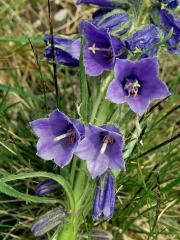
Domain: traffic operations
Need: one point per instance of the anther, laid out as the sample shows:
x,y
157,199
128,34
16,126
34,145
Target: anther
x,y
106,140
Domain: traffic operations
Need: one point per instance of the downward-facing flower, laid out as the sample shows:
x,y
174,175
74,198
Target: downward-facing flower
x,y
102,149
67,51
100,49
169,3
104,202
137,84
58,137
169,22
115,20
144,39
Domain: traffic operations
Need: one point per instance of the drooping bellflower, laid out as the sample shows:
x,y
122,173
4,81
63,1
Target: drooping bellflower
x,y
104,202
100,49
144,39
116,21
58,137
67,51
102,148
137,84
169,22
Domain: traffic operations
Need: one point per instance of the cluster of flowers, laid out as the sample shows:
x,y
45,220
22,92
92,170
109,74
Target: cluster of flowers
x,y
135,83
102,147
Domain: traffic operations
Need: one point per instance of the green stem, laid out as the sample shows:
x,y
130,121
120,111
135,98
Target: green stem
x,y
103,87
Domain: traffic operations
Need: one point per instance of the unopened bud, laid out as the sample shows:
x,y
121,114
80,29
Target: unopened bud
x,y
48,221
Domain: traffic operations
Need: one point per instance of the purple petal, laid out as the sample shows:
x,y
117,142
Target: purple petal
x,y
96,214
59,122
108,205
41,127
96,63
98,165
139,104
146,69
115,92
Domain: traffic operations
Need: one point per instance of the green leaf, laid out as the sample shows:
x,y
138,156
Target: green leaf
x,y
8,190
65,184
83,84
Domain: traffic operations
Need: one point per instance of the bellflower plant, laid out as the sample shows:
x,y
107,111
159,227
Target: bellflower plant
x,y
102,148
137,84
100,50
58,137
116,48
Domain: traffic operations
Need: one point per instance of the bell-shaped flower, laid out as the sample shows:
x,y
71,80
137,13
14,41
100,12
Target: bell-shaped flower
x,y
58,137
104,202
137,84
169,22
142,40
100,49
102,148
115,20
67,51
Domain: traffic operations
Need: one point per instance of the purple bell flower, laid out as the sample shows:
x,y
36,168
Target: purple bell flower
x,y
170,3
102,148
100,49
67,51
137,84
116,21
104,202
46,187
101,3
58,137
169,22
144,39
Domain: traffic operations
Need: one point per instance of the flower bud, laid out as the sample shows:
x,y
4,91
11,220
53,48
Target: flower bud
x,y
143,39
66,50
48,221
104,203
46,187
116,21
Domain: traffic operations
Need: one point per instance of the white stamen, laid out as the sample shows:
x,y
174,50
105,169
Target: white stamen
x,y
94,49
60,137
104,146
